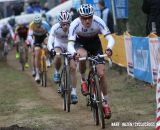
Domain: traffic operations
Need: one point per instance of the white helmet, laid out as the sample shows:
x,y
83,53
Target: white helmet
x,y
64,17
86,10
37,19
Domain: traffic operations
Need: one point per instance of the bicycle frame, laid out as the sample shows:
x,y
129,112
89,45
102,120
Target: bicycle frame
x,y
65,81
96,96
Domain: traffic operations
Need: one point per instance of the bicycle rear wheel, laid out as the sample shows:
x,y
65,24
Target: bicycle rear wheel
x,y
44,72
22,58
99,102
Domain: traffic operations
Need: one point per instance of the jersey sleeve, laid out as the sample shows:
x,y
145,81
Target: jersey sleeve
x,y
51,38
103,28
73,30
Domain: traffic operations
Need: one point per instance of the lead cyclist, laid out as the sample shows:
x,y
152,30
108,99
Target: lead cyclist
x,y
83,40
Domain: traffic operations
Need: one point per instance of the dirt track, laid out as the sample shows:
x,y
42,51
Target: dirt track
x,y
80,117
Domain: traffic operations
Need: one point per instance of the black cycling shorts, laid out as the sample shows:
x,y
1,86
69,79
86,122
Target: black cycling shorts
x,y
92,46
38,40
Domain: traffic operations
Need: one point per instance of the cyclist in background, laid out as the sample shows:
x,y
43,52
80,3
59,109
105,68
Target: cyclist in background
x,y
6,31
59,36
84,40
21,32
37,35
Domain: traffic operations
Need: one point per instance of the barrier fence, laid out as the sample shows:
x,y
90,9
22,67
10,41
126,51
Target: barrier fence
x,y
140,55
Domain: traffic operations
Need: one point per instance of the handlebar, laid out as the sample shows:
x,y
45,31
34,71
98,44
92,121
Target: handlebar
x,y
63,53
92,58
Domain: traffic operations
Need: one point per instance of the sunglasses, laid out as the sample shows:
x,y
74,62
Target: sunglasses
x,y
85,18
65,24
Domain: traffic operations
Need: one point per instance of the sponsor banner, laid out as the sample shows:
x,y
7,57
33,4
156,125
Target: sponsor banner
x,y
121,9
119,53
141,59
158,99
128,47
154,44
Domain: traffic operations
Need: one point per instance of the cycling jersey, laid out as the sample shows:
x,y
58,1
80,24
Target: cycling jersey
x,y
8,30
78,30
21,31
87,37
58,36
39,33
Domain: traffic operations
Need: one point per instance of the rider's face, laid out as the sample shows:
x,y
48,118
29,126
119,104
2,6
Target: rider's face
x,y
86,21
65,26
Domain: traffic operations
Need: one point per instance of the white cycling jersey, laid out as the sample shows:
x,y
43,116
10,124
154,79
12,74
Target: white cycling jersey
x,y
57,37
9,28
77,29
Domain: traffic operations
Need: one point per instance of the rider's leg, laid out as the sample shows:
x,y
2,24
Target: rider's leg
x,y
26,54
103,85
33,62
17,47
47,53
82,69
37,62
57,64
73,66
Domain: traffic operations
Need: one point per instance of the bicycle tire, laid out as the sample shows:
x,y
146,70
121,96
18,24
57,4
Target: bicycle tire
x,y
63,84
68,91
22,58
99,102
43,72
92,100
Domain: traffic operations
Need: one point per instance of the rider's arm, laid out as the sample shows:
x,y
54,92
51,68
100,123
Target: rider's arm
x,y
11,31
51,39
72,37
70,47
110,40
107,34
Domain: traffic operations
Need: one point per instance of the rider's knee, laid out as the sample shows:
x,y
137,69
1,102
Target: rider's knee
x,y
101,73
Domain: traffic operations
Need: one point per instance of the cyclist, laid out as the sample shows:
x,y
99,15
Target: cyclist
x,y
83,40
37,35
6,34
6,31
59,35
21,32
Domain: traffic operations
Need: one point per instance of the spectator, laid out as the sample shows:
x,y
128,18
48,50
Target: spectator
x,y
18,8
74,13
34,7
106,15
46,8
152,9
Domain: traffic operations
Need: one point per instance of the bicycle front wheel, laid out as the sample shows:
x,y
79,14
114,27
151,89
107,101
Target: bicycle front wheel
x,y
99,101
67,94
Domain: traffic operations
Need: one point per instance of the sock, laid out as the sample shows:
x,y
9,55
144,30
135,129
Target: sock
x,y
73,92
37,70
106,98
56,71
83,77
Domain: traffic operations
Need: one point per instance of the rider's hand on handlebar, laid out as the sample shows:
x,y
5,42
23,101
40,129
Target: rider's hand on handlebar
x,y
108,52
76,56
52,52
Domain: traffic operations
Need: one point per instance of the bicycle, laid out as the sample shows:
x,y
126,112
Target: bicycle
x,y
64,83
22,54
3,49
95,97
43,66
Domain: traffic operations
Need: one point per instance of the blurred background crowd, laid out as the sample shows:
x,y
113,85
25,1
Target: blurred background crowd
x,y
17,7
